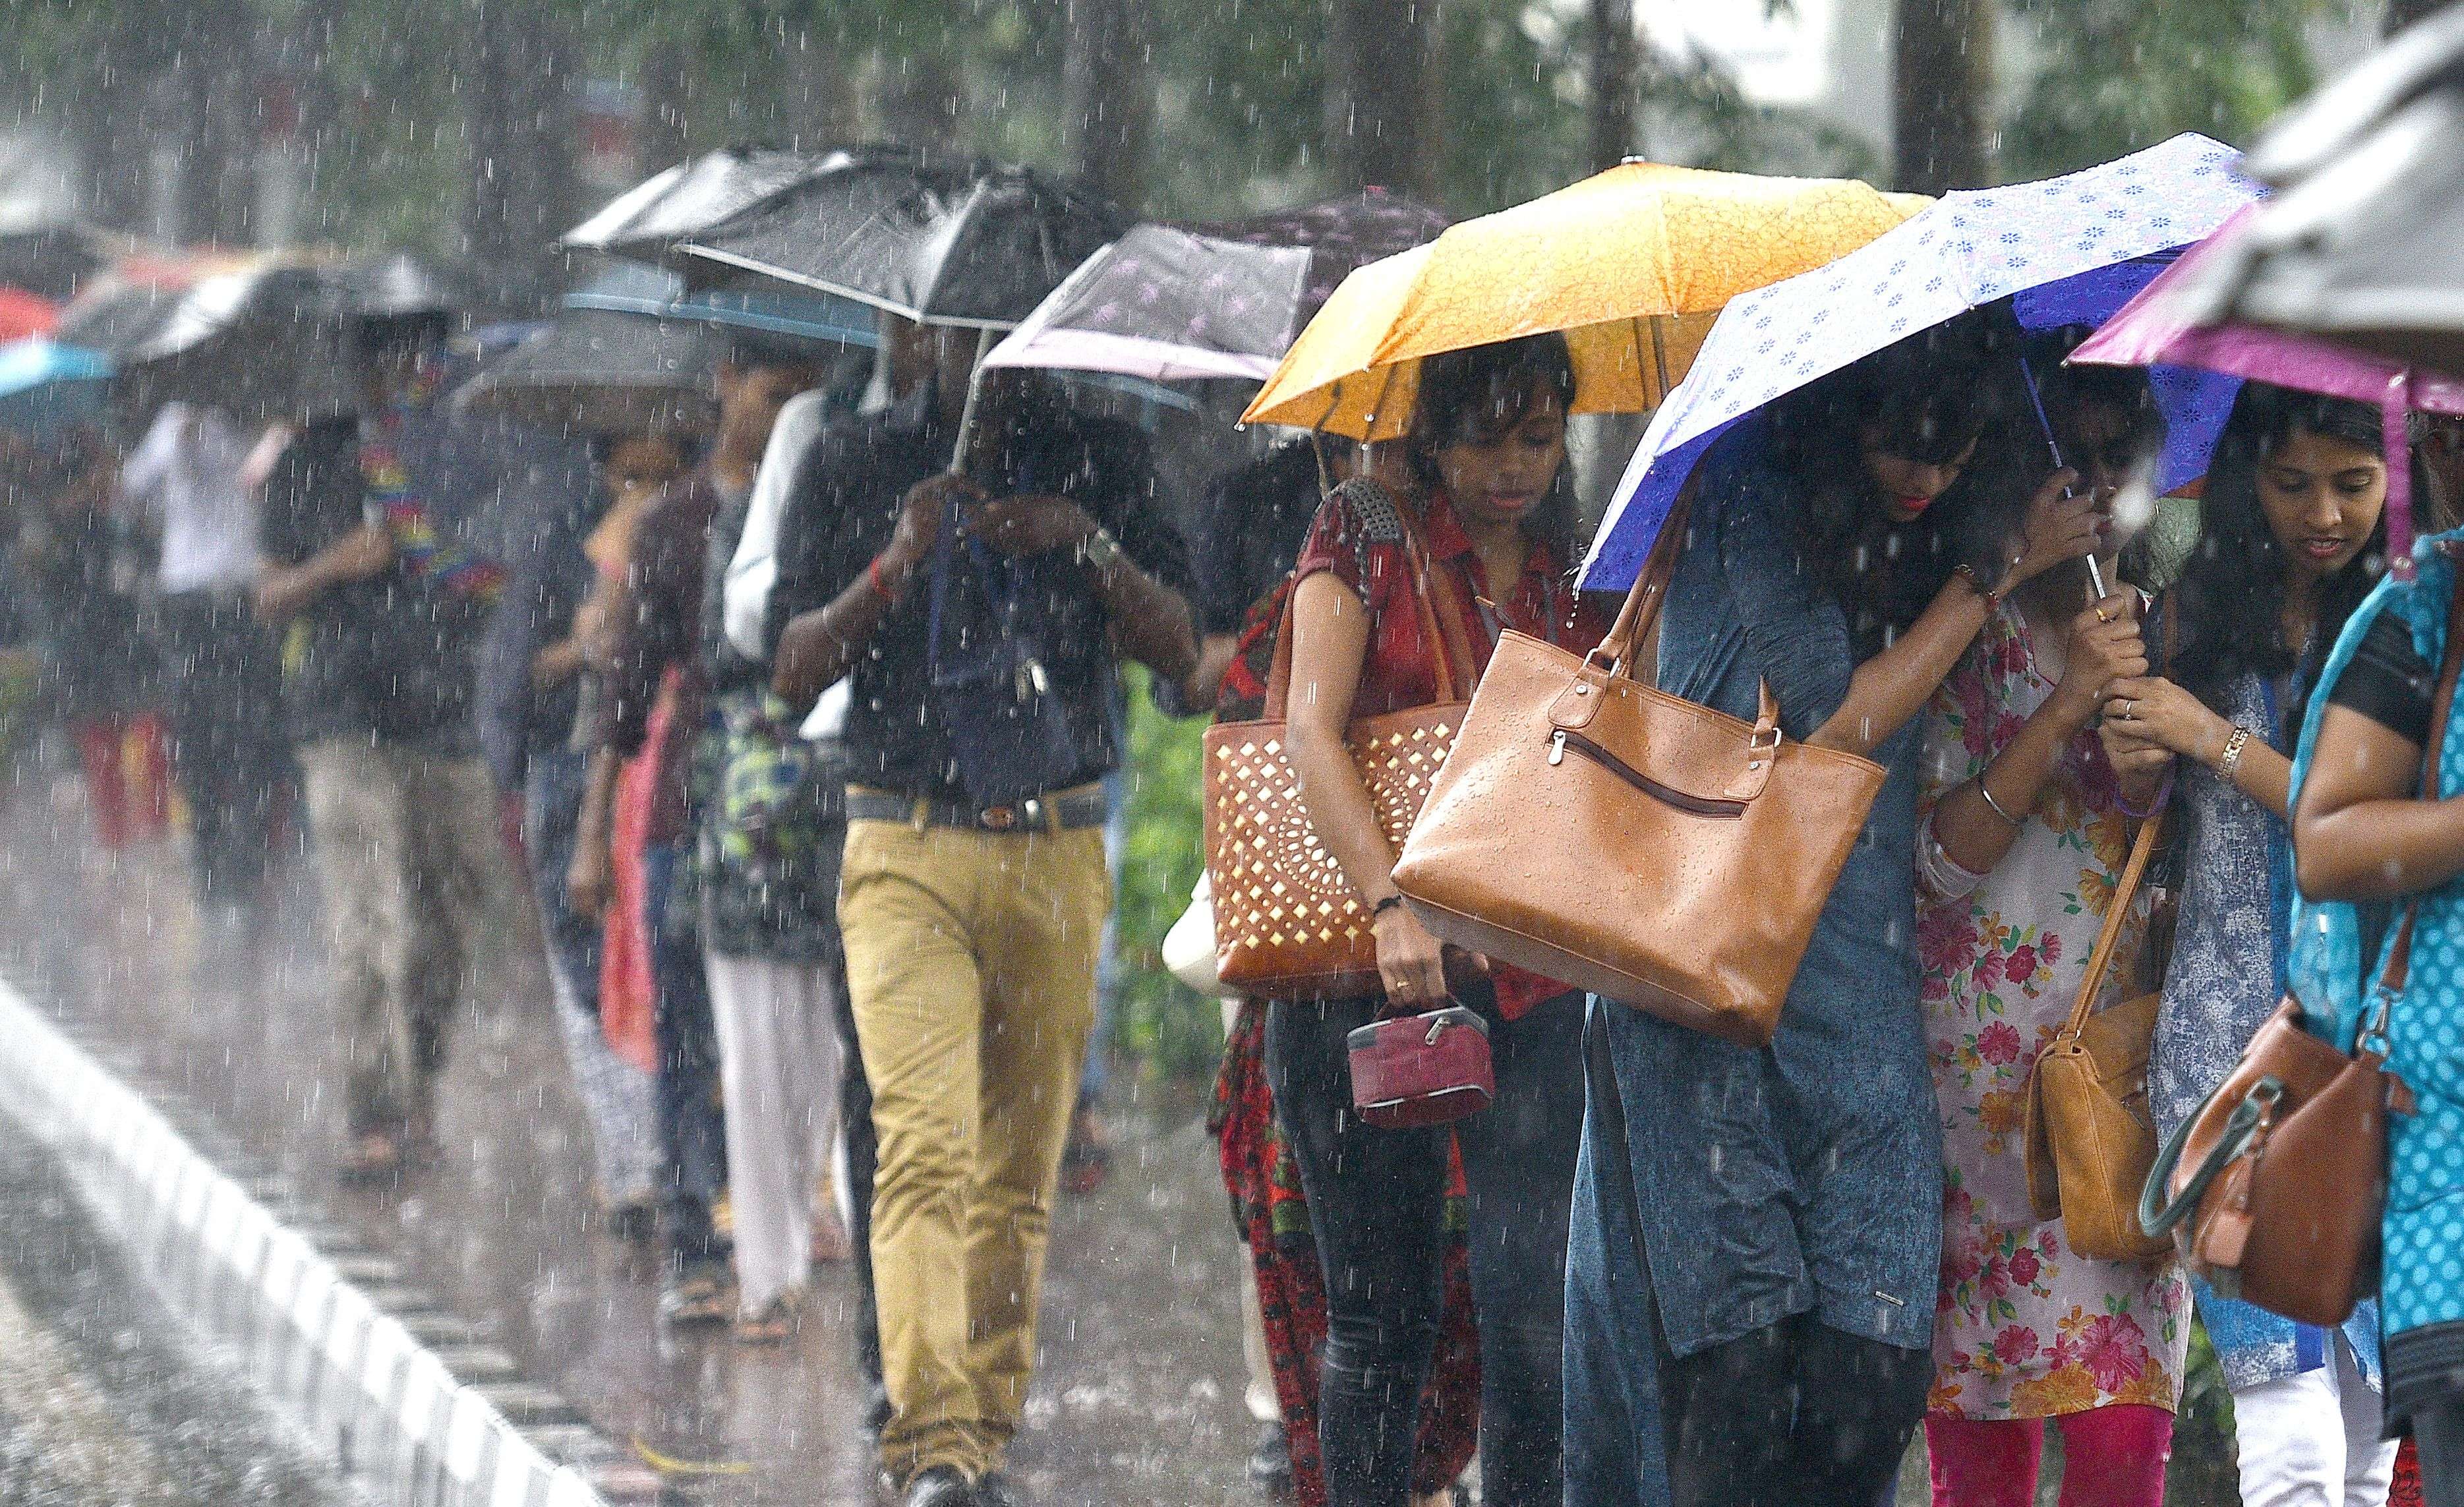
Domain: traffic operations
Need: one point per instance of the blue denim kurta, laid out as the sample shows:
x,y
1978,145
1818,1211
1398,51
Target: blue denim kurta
x,y
1804,1176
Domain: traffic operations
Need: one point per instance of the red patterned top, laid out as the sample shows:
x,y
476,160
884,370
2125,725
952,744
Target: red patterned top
x,y
1358,539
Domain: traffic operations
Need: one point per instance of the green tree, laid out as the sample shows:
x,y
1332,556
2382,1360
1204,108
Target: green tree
x,y
2120,74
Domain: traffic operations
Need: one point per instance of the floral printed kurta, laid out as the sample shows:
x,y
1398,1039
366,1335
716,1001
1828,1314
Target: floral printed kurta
x,y
2024,1327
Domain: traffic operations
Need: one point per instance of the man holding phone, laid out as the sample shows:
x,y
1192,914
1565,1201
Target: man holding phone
x,y
980,615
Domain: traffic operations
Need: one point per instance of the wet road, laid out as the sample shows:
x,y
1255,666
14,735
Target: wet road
x,y
102,1401
1136,1396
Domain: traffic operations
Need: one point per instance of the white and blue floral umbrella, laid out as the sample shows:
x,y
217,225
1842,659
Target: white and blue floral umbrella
x,y
1967,250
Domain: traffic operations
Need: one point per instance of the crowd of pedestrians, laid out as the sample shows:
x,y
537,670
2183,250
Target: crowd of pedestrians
x,y
804,726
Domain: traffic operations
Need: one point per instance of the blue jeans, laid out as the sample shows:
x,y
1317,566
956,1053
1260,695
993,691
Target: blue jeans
x,y
691,1134
1377,1201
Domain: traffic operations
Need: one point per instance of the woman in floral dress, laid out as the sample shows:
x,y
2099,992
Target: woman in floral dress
x,y
2023,840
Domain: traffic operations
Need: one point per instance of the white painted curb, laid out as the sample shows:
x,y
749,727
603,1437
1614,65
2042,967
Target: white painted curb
x,y
379,1405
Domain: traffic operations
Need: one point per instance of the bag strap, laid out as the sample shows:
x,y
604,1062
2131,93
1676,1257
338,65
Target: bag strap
x,y
1641,613
2398,971
1448,649
2143,848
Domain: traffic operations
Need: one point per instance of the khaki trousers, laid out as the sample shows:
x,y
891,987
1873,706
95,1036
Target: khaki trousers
x,y
971,960
417,884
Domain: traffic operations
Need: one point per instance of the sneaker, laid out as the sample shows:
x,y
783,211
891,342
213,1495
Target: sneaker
x,y
1271,1460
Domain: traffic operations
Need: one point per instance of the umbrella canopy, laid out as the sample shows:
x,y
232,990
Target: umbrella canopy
x,y
24,313
638,288
115,315
2365,244
597,371
1173,304
644,221
1973,248
937,239
2161,327
1631,264
266,341
44,384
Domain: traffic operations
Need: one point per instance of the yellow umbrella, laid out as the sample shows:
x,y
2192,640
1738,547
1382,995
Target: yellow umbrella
x,y
1632,265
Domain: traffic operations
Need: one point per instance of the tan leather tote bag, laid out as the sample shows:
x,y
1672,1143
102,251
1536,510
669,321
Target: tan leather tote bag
x,y
1604,833
1287,924
2090,1135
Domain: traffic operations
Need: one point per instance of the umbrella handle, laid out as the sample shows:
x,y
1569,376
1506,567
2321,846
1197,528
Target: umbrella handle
x,y
958,453
2036,400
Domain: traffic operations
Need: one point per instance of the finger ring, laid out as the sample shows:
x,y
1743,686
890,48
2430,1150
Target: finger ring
x,y
2130,709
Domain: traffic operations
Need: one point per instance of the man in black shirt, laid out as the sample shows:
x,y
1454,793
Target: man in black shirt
x,y
980,621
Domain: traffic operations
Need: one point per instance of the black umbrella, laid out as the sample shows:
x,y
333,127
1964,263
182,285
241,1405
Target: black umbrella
x,y
939,240
2366,243
691,197
266,341
1221,301
599,371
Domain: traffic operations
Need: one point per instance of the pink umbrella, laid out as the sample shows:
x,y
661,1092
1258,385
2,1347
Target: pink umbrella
x,y
2157,328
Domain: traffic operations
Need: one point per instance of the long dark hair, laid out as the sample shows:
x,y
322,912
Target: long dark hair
x,y
2233,589
1927,398
1473,397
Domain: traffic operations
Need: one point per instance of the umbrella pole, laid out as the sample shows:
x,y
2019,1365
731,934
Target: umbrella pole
x,y
975,390
2036,401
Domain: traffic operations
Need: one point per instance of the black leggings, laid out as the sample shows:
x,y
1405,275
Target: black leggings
x,y
1377,1201
1795,1414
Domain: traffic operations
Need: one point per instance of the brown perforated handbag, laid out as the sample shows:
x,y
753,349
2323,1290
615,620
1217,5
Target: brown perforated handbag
x,y
1630,842
1287,924
2274,1188
2090,1135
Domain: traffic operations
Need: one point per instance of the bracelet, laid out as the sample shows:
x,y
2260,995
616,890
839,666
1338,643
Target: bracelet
x,y
1384,905
872,579
2163,793
1992,598
1987,791
2228,764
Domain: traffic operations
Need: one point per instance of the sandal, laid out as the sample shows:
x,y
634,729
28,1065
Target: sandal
x,y
776,1323
699,1299
374,1157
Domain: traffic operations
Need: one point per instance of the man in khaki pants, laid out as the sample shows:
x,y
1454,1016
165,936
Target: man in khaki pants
x,y
978,619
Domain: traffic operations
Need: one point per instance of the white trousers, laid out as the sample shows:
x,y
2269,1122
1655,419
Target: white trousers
x,y
2313,1440
779,1068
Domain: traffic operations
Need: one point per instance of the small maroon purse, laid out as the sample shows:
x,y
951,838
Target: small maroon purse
x,y
1409,1070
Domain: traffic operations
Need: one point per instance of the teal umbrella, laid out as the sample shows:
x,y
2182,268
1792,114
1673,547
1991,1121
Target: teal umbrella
x,y
44,385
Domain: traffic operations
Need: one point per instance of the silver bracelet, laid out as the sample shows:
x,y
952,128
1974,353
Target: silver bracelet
x,y
1985,791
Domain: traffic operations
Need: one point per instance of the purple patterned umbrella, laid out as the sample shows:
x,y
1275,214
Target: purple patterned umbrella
x,y
1224,301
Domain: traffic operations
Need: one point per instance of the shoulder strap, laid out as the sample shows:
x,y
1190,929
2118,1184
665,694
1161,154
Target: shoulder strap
x,y
2116,910
1384,518
1650,592
2399,966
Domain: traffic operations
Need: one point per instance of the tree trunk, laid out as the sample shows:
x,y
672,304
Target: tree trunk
x,y
1941,93
920,96
1108,97
667,78
1611,82
517,86
1376,61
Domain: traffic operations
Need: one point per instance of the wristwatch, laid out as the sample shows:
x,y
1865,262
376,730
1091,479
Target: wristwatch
x,y
1101,550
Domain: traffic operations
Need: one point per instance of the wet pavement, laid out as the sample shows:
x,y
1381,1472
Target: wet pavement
x,y
104,1400
1136,1395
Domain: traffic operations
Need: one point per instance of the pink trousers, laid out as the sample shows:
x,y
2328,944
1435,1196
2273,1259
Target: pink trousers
x,y
2111,1457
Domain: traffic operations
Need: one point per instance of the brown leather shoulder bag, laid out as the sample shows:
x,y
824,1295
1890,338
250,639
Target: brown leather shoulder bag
x,y
2274,1188
1602,832
1288,922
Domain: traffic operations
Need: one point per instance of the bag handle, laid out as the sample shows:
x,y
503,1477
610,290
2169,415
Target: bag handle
x,y
1453,664
1649,594
2398,971
2143,848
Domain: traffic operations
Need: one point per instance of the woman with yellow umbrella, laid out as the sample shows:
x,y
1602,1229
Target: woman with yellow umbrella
x,y
1575,304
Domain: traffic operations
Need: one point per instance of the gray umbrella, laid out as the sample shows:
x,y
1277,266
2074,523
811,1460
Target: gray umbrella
x,y
935,238
2366,243
599,371
645,220
267,342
